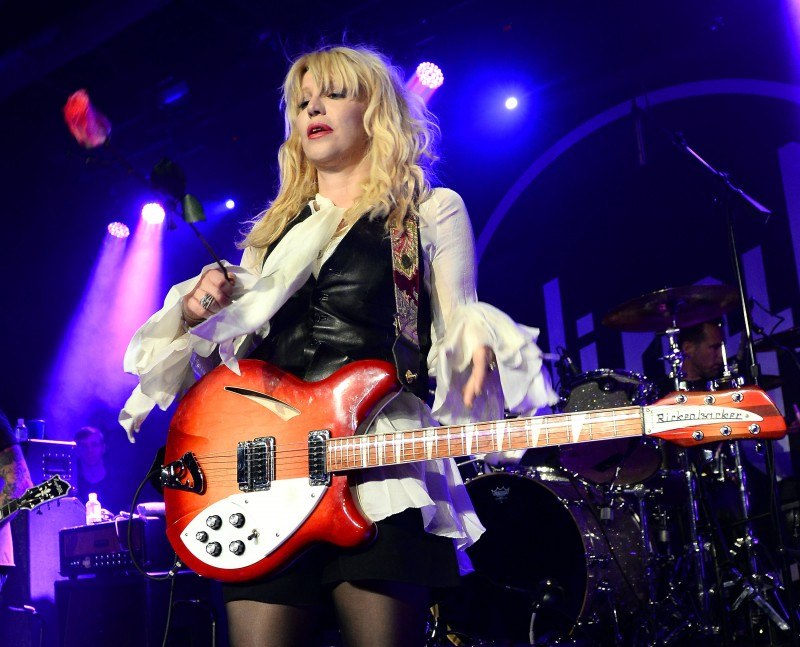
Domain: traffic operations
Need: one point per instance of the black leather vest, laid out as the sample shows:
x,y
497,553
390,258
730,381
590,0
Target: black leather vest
x,y
345,314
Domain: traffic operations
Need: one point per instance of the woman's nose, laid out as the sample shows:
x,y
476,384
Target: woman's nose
x,y
315,106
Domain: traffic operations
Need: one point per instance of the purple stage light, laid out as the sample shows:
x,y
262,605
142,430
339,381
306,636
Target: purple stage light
x,y
229,204
511,103
153,213
119,230
426,80
430,75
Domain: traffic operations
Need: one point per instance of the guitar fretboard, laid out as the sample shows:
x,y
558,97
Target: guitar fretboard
x,y
8,509
372,450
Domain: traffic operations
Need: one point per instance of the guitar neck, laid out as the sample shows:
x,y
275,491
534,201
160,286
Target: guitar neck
x,y
8,509
373,450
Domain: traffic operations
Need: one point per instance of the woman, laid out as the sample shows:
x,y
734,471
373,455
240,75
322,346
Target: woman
x,y
317,289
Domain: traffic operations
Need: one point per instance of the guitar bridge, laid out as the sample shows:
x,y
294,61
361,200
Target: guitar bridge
x,y
255,464
183,474
317,458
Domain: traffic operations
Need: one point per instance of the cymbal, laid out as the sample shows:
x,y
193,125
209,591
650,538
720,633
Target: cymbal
x,y
682,307
789,338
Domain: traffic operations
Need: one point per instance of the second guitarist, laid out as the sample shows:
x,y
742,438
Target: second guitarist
x,y
14,480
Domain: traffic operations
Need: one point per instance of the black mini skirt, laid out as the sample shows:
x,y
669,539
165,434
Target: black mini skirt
x,y
401,552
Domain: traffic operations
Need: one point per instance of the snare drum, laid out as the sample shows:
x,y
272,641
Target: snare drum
x,y
622,462
547,567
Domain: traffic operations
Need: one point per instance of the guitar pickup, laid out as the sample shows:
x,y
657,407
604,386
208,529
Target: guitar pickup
x,y
317,458
255,464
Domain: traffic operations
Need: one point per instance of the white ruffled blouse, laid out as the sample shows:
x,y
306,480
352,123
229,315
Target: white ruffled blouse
x,y
166,358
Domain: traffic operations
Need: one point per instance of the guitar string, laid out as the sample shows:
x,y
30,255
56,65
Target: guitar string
x,y
295,461
623,430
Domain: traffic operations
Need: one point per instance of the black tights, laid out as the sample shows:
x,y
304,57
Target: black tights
x,y
370,614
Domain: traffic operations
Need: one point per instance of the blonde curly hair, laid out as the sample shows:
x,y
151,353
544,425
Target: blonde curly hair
x,y
401,132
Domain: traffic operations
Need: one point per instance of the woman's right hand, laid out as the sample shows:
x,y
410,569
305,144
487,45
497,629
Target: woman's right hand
x,y
211,294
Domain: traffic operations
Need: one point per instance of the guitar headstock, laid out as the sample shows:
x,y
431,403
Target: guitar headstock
x,y
690,418
53,488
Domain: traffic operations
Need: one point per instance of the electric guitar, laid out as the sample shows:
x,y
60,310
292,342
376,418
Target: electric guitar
x,y
53,488
256,464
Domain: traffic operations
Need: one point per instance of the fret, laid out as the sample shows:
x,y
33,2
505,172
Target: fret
x,y
380,450
577,426
499,429
430,439
469,432
364,453
614,421
532,430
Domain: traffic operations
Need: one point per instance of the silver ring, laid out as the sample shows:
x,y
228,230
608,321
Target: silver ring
x,y
206,302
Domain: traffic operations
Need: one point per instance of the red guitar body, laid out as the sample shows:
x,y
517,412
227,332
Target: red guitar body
x,y
224,409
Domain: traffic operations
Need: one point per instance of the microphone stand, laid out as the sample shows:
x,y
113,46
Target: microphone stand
x,y
753,367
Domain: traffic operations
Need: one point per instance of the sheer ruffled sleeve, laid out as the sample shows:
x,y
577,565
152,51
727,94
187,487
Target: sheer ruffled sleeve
x,y
461,324
165,357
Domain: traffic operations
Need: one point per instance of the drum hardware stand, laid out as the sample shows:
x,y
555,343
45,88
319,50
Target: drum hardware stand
x,y
675,358
698,544
752,588
728,190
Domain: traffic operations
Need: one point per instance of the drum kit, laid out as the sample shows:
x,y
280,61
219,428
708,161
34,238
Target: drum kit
x,y
622,542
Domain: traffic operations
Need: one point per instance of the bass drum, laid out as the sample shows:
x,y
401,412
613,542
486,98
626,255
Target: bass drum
x,y
625,461
547,569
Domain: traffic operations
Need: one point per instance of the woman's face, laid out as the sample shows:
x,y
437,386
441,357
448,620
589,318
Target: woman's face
x,y
331,127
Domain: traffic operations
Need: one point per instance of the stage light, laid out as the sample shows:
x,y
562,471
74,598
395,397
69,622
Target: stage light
x,y
511,103
153,213
430,75
427,78
118,230
230,204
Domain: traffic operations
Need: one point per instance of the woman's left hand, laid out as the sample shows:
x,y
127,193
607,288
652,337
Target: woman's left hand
x,y
483,362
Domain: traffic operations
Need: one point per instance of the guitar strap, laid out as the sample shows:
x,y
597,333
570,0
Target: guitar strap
x,y
405,270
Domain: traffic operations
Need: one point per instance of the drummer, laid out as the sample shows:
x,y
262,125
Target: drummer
x,y
702,349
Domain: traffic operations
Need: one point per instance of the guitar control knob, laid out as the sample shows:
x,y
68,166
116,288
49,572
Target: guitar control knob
x,y
214,522
202,536
214,549
236,547
236,520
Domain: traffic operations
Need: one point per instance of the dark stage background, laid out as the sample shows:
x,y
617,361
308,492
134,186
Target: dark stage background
x,y
573,214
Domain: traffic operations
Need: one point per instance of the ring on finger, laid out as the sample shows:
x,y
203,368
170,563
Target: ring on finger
x,y
206,302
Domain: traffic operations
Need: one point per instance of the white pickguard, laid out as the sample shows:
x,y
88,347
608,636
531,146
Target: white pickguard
x,y
274,515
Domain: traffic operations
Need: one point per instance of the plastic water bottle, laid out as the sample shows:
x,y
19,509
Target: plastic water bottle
x,y
21,431
94,512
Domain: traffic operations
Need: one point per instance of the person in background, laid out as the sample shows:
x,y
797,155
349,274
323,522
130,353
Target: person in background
x,y
315,291
14,480
701,346
93,475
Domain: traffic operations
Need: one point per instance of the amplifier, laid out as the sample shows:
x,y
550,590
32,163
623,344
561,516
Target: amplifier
x,y
103,547
46,458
